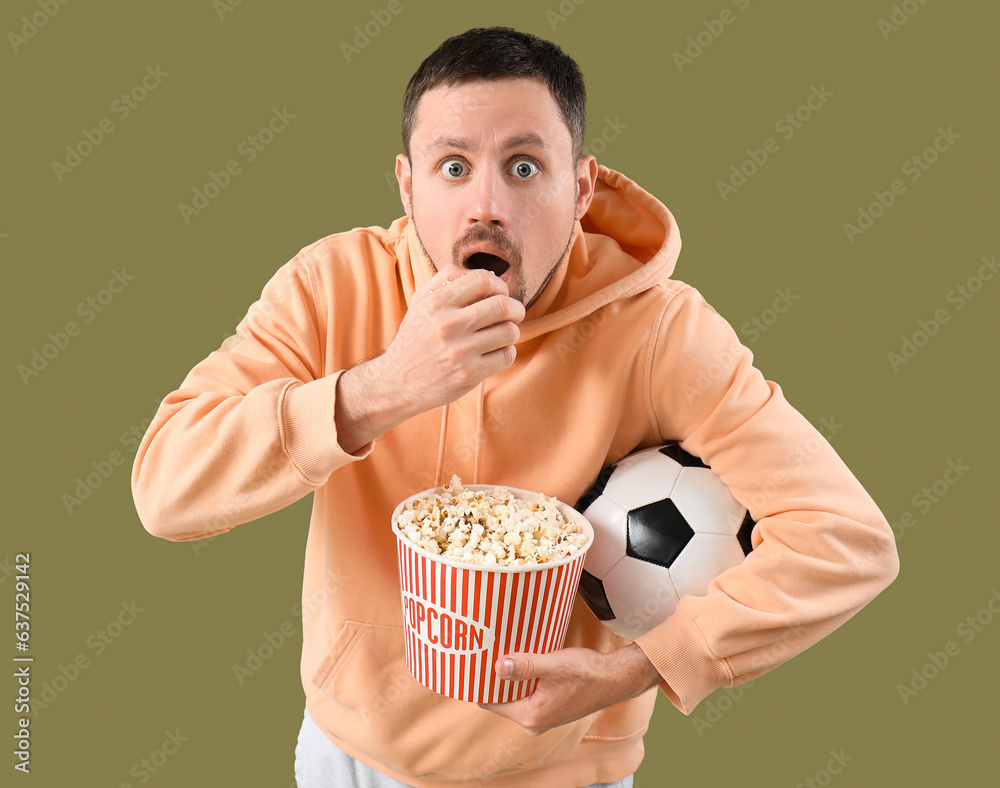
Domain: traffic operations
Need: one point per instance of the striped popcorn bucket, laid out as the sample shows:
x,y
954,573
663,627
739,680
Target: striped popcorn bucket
x,y
458,619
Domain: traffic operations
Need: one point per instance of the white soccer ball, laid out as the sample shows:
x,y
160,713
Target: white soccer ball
x,y
665,526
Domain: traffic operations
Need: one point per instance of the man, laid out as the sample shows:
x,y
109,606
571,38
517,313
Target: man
x,y
517,326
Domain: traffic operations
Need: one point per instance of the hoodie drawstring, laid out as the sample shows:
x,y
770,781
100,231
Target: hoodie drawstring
x,y
439,473
440,462
479,429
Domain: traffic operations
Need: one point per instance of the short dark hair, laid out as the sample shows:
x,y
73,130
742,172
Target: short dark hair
x,y
491,53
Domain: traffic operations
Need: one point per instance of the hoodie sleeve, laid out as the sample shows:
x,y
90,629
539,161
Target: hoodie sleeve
x,y
251,429
821,548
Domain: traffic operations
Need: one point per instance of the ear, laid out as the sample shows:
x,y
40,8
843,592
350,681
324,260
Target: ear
x,y
403,177
586,181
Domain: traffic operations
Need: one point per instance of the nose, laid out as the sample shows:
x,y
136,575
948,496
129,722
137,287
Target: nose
x,y
489,198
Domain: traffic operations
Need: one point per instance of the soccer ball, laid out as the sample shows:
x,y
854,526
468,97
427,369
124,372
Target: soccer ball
x,y
665,526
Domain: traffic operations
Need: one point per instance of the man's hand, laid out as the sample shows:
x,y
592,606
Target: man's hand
x,y
572,683
460,327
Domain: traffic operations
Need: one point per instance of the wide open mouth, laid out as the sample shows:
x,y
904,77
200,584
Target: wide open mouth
x,y
488,261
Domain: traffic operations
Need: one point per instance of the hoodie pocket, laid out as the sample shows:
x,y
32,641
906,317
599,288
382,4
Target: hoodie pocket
x,y
372,702
364,671
336,655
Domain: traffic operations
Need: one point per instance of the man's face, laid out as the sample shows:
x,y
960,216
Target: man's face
x,y
492,172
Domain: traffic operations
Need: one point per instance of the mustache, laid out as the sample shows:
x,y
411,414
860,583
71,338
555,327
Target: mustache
x,y
490,235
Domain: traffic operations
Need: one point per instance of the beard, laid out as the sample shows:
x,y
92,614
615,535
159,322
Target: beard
x,y
516,284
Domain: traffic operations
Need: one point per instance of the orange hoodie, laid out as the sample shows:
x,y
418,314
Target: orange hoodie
x,y
614,356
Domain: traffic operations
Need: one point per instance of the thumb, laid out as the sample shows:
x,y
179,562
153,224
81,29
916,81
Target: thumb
x,y
518,666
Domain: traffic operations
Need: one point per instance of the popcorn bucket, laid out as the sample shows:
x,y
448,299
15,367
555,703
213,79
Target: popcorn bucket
x,y
459,618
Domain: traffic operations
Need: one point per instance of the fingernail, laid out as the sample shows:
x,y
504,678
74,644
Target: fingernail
x,y
507,669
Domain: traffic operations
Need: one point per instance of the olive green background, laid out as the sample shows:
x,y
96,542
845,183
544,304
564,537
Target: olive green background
x,y
680,130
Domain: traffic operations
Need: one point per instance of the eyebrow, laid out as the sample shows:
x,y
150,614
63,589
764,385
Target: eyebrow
x,y
527,139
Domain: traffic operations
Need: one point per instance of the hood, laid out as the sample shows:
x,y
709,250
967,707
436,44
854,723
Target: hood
x,y
625,243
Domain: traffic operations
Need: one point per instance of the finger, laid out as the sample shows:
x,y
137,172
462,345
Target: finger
x,y
491,311
520,667
472,287
512,710
553,665
496,360
447,274
452,272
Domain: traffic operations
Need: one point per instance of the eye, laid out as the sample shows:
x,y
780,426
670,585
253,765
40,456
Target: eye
x,y
452,168
525,168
